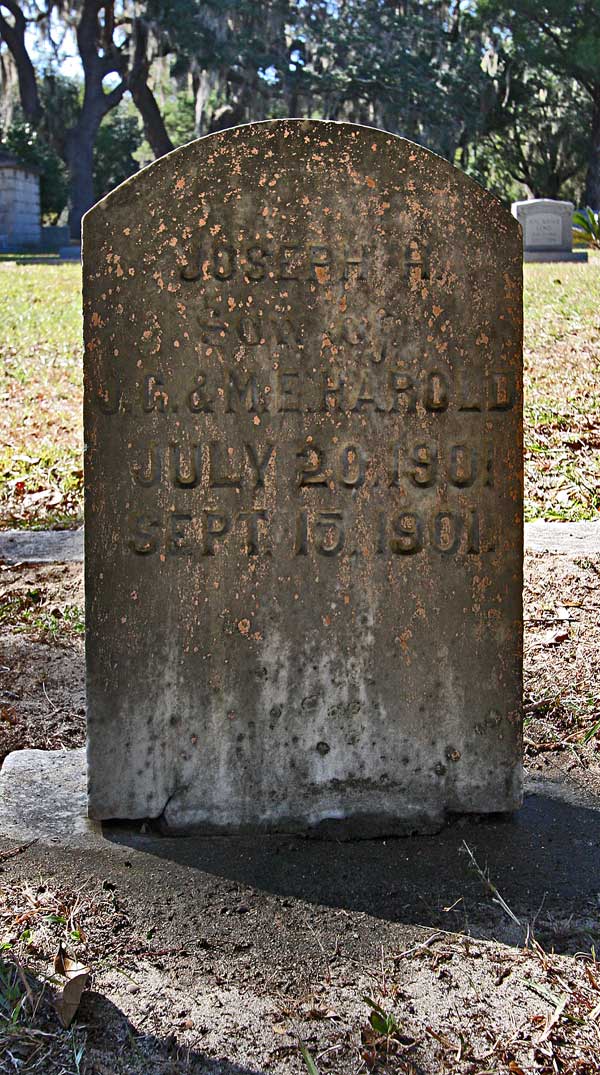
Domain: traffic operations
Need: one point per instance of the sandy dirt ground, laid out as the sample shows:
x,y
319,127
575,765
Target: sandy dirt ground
x,y
478,945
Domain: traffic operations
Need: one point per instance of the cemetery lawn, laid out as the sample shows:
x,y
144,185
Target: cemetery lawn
x,y
562,390
41,481
41,476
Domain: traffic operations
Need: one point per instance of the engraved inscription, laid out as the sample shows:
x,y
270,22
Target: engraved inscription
x,y
257,364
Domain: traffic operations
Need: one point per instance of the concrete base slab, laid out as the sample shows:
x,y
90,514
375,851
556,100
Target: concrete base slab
x,y
43,796
66,546
543,856
572,539
554,255
41,546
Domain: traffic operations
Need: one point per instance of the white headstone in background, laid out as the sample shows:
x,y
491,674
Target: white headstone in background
x,y
547,230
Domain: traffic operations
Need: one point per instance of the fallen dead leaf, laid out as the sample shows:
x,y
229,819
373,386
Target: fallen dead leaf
x,y
67,999
554,638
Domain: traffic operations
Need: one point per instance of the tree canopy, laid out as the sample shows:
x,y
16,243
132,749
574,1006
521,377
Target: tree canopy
x,y
511,93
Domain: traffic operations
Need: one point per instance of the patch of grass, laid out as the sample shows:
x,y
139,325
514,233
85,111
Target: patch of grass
x,y
40,392
24,258
33,921
43,489
26,611
562,390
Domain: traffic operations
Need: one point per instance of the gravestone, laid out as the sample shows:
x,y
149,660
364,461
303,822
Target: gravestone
x,y
303,428
547,230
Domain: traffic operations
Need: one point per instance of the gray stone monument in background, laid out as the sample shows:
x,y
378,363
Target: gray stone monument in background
x,y
547,230
20,221
303,425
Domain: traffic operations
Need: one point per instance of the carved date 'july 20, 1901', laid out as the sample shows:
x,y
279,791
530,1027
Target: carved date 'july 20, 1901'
x,y
214,465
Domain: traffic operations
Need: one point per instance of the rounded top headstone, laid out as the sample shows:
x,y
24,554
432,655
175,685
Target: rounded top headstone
x,y
303,485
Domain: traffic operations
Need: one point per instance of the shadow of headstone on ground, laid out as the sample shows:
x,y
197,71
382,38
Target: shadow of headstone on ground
x,y
544,861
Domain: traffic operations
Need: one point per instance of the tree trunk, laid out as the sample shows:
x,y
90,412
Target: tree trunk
x,y
80,162
154,127
592,181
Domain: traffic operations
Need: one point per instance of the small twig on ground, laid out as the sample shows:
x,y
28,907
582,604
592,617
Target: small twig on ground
x,y
484,877
55,708
11,852
417,947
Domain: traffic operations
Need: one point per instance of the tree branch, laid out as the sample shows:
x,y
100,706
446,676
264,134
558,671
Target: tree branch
x,y
143,97
14,37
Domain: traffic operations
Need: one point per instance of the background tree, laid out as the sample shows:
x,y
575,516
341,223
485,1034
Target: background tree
x,y
536,131
119,138
508,92
114,55
563,37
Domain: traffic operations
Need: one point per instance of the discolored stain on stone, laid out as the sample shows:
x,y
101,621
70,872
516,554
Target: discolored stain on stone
x,y
303,385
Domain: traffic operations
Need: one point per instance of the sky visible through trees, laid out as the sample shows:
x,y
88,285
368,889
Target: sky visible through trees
x,y
91,89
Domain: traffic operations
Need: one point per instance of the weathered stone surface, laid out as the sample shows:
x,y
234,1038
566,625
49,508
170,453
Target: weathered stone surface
x,y
43,797
547,230
303,486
